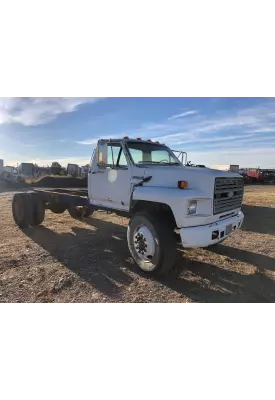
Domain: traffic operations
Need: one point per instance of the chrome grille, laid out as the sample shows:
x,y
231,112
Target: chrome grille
x,y
228,194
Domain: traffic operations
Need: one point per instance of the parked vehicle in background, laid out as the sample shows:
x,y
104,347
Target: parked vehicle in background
x,y
73,170
254,175
7,168
85,170
26,170
243,171
261,176
268,175
226,167
11,169
166,201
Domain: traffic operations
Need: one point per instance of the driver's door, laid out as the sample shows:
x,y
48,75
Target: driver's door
x,y
110,181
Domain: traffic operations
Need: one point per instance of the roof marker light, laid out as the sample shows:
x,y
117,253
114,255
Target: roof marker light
x,y
138,138
126,137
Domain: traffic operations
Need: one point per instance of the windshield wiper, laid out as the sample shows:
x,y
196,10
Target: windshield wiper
x,y
148,162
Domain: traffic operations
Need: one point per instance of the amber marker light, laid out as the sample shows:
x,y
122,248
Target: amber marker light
x,y
182,184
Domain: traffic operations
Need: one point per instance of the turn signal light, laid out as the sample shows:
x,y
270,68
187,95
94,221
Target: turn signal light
x,y
182,184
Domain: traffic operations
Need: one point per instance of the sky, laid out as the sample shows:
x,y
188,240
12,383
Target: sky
x,y
66,129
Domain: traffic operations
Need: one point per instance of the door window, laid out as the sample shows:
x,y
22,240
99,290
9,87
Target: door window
x,y
116,156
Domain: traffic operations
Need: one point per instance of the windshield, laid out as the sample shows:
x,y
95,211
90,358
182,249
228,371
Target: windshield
x,y
151,153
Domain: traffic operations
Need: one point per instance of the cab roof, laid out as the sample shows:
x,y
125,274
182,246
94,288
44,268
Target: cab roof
x,y
127,139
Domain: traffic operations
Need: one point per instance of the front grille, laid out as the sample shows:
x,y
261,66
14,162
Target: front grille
x,y
228,194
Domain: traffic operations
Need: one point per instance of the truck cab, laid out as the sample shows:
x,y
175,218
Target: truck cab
x,y
163,197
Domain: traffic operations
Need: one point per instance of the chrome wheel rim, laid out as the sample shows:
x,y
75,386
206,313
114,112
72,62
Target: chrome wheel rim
x,y
144,244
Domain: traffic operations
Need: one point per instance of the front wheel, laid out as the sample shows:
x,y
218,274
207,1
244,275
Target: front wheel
x,y
151,243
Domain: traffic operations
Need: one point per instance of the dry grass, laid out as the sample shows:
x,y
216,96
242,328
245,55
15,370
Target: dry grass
x,y
70,261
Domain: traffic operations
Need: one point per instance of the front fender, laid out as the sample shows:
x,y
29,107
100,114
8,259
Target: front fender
x,y
176,199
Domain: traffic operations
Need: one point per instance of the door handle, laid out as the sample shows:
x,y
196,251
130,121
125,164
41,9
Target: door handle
x,y
98,172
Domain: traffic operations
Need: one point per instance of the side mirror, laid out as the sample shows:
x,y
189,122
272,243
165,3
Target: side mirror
x,y
102,154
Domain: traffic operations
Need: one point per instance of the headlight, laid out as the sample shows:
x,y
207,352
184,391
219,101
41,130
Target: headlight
x,y
192,207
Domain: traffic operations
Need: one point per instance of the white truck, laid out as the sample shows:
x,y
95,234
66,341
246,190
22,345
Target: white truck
x,y
165,200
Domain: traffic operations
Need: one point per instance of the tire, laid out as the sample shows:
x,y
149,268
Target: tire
x,y
161,246
79,212
18,211
57,208
23,210
215,245
87,213
39,210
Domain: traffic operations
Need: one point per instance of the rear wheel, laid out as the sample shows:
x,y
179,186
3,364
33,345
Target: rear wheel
x,y
39,210
57,208
79,212
23,210
151,243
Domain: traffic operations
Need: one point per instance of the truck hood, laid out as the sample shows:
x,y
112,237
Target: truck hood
x,y
197,178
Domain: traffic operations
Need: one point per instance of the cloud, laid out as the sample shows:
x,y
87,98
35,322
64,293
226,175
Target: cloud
x,y
224,126
260,156
30,111
234,136
184,114
93,141
217,130
267,129
187,138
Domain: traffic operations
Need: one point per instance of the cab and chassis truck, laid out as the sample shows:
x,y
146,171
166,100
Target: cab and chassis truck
x,y
165,200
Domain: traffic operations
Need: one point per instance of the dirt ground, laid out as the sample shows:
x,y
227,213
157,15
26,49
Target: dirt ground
x,y
65,260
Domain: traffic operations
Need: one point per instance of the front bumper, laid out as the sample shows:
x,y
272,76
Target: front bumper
x,y
204,236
